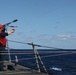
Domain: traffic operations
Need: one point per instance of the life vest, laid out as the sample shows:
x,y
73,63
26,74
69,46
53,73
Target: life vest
x,y
3,41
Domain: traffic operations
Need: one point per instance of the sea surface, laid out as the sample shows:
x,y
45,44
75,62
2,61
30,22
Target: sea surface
x,y
55,62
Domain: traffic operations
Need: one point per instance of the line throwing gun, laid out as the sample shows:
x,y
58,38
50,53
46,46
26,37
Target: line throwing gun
x,y
4,25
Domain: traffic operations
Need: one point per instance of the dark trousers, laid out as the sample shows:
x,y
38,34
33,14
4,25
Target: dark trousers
x,y
2,57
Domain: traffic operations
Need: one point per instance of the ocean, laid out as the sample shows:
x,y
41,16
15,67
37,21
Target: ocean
x,y
56,62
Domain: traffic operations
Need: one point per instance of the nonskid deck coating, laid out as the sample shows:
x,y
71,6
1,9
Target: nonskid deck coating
x,y
19,70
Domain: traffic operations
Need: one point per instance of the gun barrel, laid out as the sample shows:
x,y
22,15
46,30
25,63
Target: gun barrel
x,y
9,23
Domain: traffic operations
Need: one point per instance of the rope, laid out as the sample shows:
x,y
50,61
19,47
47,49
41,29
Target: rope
x,y
59,54
41,52
41,57
35,45
14,53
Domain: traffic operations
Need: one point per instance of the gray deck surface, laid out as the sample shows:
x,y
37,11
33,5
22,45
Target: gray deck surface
x,y
19,70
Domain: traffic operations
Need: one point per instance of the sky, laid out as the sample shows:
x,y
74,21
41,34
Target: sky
x,y
44,22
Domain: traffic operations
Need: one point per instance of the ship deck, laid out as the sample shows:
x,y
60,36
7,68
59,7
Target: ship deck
x,y
18,70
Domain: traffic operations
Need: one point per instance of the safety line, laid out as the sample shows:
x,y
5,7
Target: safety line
x,y
35,45
58,54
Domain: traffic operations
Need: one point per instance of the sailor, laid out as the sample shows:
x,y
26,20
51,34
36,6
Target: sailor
x,y
3,41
